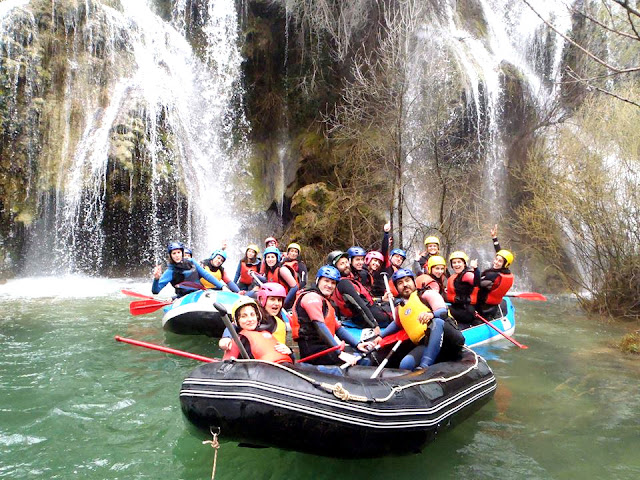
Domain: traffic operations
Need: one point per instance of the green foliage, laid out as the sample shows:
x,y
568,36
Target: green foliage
x,y
583,205
630,343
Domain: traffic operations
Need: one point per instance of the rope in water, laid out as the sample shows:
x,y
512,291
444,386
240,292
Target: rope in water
x,y
215,444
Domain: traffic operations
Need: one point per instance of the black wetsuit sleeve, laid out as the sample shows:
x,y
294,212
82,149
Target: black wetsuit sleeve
x,y
302,274
346,287
496,244
385,246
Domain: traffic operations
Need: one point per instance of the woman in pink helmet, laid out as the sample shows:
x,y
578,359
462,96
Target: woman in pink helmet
x,y
273,319
374,261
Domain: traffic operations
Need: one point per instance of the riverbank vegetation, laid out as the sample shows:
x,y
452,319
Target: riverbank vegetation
x,y
583,201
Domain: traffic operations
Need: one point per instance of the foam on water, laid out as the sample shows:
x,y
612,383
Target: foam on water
x,y
72,286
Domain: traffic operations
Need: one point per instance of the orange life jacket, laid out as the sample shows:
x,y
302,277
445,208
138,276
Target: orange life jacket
x,y
263,346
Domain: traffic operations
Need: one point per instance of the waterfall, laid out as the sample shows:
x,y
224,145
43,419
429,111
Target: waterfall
x,y
477,48
139,99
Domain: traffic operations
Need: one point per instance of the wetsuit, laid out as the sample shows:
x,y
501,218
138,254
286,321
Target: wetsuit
x,y
365,313
221,275
313,326
462,291
186,271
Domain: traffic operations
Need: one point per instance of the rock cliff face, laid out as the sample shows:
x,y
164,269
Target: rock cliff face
x,y
107,148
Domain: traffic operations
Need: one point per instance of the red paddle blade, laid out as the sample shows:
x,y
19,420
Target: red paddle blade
x,y
538,297
131,293
147,306
401,335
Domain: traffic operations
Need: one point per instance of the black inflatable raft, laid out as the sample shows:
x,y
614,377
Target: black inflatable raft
x,y
263,404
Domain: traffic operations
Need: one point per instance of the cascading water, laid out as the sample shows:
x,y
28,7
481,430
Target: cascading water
x,y
478,46
139,108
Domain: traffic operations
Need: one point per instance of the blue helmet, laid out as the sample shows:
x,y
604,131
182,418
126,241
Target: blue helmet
x,y
187,250
175,246
220,252
356,252
274,250
401,273
398,251
329,272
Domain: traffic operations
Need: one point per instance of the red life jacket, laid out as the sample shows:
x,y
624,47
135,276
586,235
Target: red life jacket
x,y
263,346
300,317
341,303
461,292
497,293
427,281
245,277
274,276
293,266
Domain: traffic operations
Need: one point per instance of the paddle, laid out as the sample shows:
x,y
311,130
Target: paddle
x,y
254,275
172,351
389,295
191,285
528,296
136,294
500,331
226,318
398,337
352,301
143,307
340,347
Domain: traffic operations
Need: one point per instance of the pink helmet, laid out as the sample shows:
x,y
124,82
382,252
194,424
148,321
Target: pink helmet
x,y
270,289
371,255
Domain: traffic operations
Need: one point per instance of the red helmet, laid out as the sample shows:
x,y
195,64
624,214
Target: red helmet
x,y
270,239
270,289
371,255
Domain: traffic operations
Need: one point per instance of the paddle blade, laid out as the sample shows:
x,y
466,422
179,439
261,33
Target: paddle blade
x,y
147,306
221,308
401,335
131,293
538,297
192,285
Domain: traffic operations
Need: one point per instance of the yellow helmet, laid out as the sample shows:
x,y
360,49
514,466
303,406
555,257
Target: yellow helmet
x,y
435,260
241,302
296,246
459,254
253,247
508,257
432,239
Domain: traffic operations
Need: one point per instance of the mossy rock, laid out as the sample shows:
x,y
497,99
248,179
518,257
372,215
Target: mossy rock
x,y
312,197
472,17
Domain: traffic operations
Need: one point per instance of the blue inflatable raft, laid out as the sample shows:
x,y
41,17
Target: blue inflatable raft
x,y
194,313
474,336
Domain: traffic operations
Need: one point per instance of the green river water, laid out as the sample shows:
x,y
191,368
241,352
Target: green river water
x,y
77,404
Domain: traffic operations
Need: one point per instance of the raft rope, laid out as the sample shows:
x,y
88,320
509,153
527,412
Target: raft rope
x,y
215,444
343,394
